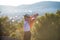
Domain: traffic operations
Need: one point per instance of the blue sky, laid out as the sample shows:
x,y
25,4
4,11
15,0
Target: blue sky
x,y
21,2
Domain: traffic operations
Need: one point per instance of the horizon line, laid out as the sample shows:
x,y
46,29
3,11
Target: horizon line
x,y
28,4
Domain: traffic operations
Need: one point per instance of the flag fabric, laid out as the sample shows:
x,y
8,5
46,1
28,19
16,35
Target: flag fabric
x,y
32,19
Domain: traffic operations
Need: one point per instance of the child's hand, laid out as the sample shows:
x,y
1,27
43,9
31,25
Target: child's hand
x,y
35,15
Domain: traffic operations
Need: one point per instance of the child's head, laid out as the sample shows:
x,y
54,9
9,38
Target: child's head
x,y
26,17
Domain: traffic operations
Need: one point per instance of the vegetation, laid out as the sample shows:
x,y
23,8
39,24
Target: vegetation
x,y
46,27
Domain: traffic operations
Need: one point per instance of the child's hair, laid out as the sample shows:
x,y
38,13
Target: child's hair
x,y
26,16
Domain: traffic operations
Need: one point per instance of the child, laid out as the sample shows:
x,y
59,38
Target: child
x,y
28,23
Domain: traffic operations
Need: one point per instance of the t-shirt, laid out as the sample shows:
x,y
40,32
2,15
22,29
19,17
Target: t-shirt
x,y
26,26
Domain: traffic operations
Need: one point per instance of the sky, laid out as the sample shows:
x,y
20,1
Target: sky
x,y
20,2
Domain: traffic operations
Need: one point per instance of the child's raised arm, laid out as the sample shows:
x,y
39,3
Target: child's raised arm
x,y
34,17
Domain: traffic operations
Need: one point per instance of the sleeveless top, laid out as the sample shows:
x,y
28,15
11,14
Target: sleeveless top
x,y
29,25
26,26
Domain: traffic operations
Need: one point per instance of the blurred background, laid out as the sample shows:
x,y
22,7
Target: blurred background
x,y
46,26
